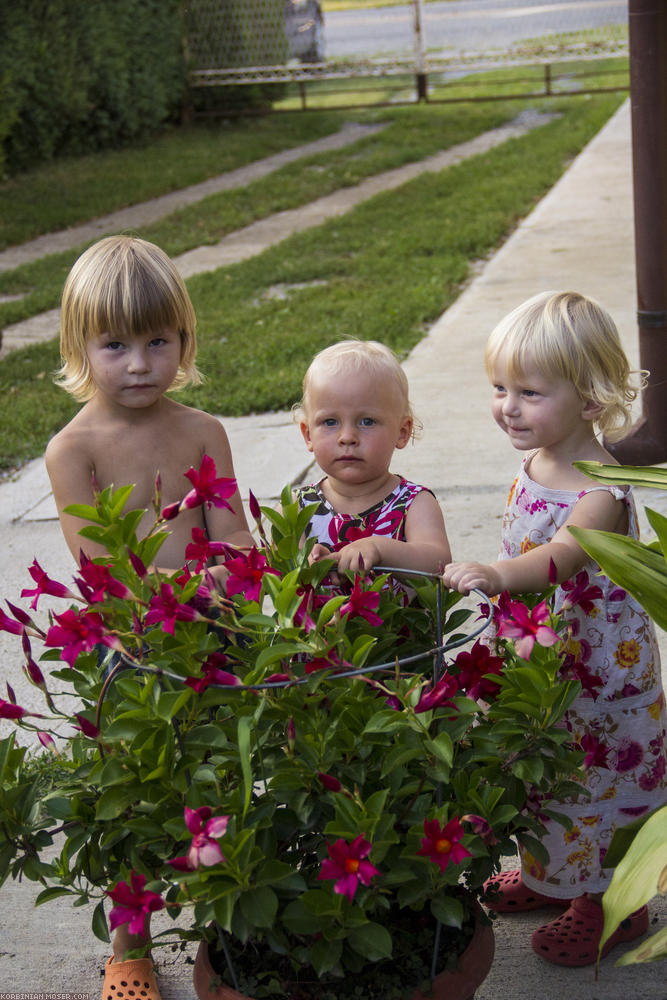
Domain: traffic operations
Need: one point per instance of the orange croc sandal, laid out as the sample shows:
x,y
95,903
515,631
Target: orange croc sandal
x,y
133,980
510,894
573,938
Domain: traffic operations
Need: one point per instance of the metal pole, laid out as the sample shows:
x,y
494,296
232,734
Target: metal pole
x,y
420,75
647,442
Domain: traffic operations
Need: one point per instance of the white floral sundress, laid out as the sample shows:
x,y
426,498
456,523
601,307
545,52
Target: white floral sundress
x,y
619,718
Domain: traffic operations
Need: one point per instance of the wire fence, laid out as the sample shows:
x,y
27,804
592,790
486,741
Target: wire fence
x,y
409,50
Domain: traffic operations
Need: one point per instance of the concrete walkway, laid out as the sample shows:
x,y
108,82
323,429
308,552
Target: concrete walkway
x,y
580,236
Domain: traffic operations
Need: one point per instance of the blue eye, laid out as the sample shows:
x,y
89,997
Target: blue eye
x,y
114,345
367,421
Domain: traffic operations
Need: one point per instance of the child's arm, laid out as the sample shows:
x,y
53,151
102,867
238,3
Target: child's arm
x,y
529,573
70,472
425,547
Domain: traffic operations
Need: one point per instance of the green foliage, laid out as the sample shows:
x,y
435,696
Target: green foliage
x,y
279,707
639,850
81,76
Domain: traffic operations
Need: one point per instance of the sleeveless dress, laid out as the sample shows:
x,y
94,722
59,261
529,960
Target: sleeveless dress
x,y
619,719
387,517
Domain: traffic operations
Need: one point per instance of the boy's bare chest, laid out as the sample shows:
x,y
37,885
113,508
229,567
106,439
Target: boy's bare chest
x,y
138,455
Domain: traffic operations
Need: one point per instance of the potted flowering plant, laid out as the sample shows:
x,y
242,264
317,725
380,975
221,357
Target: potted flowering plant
x,y
297,774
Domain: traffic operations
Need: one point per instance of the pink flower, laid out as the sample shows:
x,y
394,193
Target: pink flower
x,y
8,624
330,783
347,867
11,711
167,609
78,632
206,489
137,564
472,667
133,904
245,574
527,627
482,828
45,585
204,849
438,697
202,550
629,755
442,843
88,728
580,592
96,581
211,673
47,741
362,604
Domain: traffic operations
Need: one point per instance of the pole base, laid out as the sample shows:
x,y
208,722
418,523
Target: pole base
x,y
640,447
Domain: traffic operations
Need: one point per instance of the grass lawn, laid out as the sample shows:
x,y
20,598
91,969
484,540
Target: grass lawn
x,y
386,270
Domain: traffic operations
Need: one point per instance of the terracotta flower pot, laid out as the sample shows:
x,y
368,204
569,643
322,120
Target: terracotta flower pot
x,y
473,968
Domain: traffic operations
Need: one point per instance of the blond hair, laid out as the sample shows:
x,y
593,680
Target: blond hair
x,y
568,336
368,356
127,286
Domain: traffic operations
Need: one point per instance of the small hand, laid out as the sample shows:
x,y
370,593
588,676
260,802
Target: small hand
x,y
359,556
319,552
467,576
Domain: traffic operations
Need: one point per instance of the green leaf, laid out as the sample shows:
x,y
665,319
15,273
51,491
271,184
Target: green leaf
x,y
259,906
631,565
53,892
447,910
244,727
652,949
115,801
100,928
281,651
659,524
372,941
653,477
635,880
325,955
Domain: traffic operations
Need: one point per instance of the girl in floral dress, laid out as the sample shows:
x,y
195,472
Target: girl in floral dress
x,y
355,412
559,373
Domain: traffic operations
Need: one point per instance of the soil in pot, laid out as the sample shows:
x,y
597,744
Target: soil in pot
x,y
465,957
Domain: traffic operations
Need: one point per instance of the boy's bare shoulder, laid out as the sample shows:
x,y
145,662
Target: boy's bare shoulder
x,y
74,437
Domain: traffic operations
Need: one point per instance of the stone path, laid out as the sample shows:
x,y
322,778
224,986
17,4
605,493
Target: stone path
x,y
255,238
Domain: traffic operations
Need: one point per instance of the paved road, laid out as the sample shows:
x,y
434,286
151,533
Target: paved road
x,y
462,25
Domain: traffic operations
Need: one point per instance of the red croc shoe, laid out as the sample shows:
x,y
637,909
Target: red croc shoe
x,y
513,896
573,938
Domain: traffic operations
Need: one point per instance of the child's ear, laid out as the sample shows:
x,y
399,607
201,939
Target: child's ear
x,y
591,409
404,432
305,430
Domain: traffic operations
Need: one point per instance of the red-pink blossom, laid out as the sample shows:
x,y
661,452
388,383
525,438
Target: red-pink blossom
x,y
87,727
442,843
202,550
78,632
96,582
347,867
472,666
246,573
362,604
134,904
206,489
482,828
47,741
204,849
8,624
212,673
527,627
330,783
8,710
439,696
45,585
165,608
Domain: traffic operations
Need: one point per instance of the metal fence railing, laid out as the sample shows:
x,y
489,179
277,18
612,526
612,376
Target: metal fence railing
x,y
244,42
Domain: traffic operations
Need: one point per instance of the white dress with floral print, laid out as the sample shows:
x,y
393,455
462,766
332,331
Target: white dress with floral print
x,y
619,718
